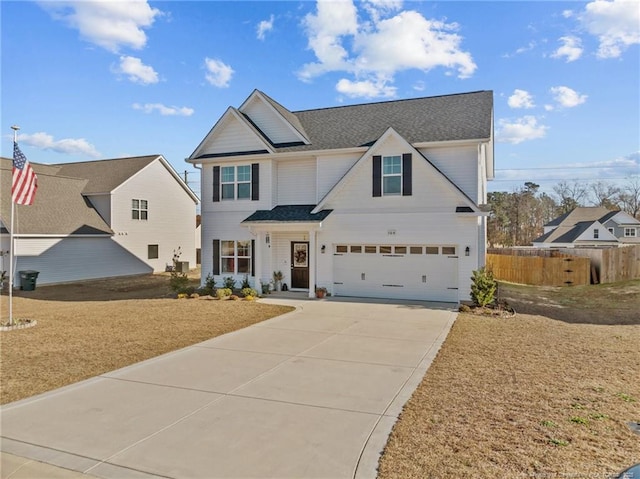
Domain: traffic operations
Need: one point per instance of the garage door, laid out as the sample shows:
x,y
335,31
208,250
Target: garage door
x,y
423,272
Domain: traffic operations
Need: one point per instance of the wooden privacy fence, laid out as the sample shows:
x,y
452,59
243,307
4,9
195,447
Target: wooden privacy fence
x,y
539,270
608,265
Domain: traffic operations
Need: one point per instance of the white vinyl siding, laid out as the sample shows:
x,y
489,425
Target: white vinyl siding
x,y
270,122
233,136
171,217
330,170
297,182
461,165
61,260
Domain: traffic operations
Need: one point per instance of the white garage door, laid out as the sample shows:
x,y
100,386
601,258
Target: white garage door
x,y
423,272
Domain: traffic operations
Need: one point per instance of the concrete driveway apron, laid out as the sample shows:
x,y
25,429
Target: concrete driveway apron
x,y
310,394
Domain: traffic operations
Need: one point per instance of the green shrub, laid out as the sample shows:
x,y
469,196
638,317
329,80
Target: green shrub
x,y
483,287
249,292
223,293
188,290
245,282
229,282
210,282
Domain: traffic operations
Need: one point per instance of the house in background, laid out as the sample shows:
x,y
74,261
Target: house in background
x,y
380,200
102,218
590,226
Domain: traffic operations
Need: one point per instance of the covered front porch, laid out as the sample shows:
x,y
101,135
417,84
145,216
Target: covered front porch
x,y
286,241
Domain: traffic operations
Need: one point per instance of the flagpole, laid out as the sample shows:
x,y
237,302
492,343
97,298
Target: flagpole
x,y
11,240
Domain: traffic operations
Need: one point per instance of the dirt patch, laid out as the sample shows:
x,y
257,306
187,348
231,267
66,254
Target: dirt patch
x,y
88,329
530,396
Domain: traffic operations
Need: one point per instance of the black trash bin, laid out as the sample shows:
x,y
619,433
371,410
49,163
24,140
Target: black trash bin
x,y
28,279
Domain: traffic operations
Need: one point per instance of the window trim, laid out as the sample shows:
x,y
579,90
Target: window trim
x,y
236,257
149,251
398,175
251,188
139,210
627,232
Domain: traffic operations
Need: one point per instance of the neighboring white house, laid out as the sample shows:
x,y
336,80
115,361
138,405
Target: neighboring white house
x,y
375,200
100,218
590,226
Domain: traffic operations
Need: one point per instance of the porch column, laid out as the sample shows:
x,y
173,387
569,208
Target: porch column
x,y
312,263
257,261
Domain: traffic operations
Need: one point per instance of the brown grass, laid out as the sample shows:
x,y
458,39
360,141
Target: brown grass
x,y
87,329
531,396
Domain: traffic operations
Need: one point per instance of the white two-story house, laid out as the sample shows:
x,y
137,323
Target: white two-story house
x,y
98,219
380,200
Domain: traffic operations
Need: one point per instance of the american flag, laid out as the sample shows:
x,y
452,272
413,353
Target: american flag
x,y
24,182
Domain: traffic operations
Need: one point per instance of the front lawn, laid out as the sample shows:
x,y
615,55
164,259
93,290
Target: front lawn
x,y
86,329
546,394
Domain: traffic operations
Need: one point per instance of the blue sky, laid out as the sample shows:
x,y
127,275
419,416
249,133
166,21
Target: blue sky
x,y
89,80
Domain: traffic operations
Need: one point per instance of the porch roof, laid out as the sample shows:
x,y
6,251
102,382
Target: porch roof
x,y
288,214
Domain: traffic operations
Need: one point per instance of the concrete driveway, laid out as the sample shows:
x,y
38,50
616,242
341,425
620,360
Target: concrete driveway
x,y
311,394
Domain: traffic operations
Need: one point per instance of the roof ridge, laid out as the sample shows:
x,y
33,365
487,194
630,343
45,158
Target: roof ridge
x,y
392,101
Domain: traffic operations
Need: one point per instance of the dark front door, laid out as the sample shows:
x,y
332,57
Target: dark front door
x,y
299,264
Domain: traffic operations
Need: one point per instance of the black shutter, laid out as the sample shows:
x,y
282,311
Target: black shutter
x,y
216,183
377,175
255,182
406,174
253,257
216,256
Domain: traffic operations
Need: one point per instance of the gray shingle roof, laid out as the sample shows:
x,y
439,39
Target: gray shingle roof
x,y
58,208
463,116
288,214
571,225
105,175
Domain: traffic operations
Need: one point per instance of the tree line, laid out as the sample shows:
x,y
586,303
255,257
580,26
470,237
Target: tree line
x,y
517,217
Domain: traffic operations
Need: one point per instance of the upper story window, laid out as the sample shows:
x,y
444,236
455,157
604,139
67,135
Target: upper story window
x,y
391,175
236,182
610,230
629,232
596,233
139,210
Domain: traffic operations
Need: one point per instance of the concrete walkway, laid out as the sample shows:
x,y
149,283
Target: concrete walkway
x,y
311,394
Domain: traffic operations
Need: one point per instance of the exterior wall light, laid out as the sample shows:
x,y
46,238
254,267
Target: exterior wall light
x,y
467,251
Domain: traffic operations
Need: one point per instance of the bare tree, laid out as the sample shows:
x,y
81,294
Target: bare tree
x,y
605,194
570,195
629,196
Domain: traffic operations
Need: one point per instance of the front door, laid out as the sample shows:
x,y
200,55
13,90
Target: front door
x,y
300,264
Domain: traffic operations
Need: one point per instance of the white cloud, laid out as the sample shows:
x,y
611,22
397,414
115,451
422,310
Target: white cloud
x,y
571,49
519,130
108,24
366,89
374,50
615,23
219,74
68,146
163,110
325,29
263,27
521,99
136,71
566,97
